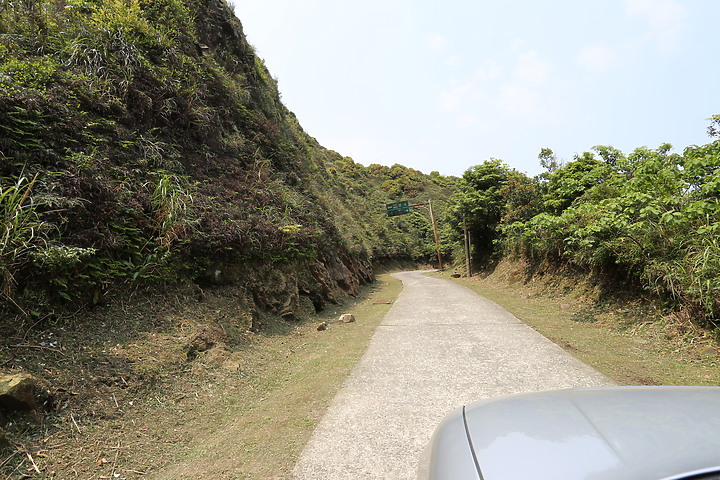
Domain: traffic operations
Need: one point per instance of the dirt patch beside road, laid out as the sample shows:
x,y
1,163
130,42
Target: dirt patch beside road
x,y
168,387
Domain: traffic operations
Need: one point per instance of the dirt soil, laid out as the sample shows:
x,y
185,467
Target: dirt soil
x,y
150,386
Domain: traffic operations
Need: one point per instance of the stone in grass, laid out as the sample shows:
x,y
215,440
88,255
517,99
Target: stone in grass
x,y
347,318
17,392
322,326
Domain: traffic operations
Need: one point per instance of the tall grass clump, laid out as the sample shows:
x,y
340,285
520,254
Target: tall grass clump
x,y
21,229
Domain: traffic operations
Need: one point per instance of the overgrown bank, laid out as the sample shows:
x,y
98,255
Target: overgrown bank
x,y
167,386
144,143
649,220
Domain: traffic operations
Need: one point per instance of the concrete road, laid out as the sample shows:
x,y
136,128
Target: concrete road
x,y
440,346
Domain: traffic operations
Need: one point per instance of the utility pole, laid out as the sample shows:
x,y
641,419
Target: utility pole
x,y
402,208
437,240
468,260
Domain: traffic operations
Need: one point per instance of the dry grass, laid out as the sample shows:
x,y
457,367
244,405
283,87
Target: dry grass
x,y
260,430
630,341
141,407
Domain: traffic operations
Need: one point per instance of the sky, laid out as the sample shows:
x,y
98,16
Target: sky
x,y
443,86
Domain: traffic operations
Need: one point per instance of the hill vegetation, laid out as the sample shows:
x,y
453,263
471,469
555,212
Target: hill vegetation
x,y
144,143
165,225
647,220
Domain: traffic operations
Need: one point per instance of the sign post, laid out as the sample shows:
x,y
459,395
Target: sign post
x,y
468,259
397,208
402,208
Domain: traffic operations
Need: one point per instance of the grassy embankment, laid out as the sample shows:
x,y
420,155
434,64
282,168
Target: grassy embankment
x,y
260,430
631,341
144,408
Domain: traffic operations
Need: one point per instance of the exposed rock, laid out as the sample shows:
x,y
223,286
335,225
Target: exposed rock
x,y
322,326
277,291
206,337
17,391
293,289
334,277
347,318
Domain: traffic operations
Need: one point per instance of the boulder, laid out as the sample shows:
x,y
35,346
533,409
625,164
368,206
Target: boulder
x,y
347,318
17,391
206,337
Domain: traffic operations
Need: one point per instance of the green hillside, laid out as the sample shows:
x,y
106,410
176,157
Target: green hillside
x,y
144,143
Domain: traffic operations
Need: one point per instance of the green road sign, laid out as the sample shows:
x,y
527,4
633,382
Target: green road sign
x,y
397,208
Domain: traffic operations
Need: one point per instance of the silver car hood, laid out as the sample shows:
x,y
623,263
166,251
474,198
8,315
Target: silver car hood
x,y
619,433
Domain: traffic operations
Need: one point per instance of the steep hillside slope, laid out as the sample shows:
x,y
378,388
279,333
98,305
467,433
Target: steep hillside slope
x,y
145,142
164,220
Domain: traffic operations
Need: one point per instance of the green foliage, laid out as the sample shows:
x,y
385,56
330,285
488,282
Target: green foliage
x,y
35,73
548,160
170,200
573,180
651,218
403,181
21,131
59,264
479,204
21,229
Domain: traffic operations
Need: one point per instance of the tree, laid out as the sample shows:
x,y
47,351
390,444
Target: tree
x,y
548,160
610,155
479,204
572,180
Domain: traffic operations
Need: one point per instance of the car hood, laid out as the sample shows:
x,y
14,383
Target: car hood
x,y
595,434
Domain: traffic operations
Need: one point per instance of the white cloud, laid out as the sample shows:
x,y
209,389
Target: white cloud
x,y
597,58
531,68
517,43
467,121
451,99
437,42
454,61
518,99
665,19
490,71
